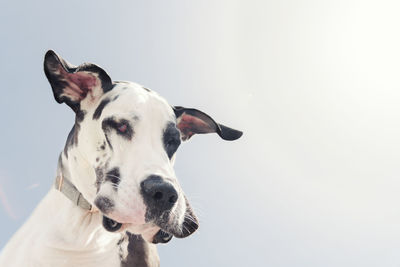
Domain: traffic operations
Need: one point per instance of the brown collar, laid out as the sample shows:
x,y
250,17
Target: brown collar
x,y
65,186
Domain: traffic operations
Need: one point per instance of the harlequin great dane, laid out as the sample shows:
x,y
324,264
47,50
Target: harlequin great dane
x,y
116,193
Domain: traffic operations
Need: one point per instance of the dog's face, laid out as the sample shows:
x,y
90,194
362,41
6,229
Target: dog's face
x,y
127,136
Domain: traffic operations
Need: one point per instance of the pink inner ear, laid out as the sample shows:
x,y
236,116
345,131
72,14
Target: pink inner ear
x,y
79,84
189,125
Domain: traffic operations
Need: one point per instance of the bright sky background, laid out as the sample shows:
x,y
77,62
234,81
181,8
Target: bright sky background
x,y
315,86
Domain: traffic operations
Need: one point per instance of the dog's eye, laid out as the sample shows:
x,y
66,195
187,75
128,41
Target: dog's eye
x,y
172,140
122,128
172,143
171,146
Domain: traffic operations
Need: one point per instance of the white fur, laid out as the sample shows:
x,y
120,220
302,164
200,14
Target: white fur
x,y
59,233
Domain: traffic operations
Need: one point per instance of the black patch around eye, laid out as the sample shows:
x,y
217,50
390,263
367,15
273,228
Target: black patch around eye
x,y
112,124
171,139
100,107
124,128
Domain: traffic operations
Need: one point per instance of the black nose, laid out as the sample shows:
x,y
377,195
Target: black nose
x,y
158,195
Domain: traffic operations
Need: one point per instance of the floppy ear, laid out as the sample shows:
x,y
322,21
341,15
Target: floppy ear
x,y
76,86
192,121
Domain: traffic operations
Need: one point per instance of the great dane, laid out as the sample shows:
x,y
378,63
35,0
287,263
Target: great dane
x,y
115,193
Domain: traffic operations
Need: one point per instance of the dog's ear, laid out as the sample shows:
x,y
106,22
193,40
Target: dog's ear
x,y
76,86
192,121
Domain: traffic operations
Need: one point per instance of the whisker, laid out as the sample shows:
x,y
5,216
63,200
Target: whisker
x,y
113,176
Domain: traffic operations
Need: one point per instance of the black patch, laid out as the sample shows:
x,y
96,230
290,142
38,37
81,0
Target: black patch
x,y
104,204
140,253
80,115
99,178
100,107
188,227
147,89
111,123
113,176
120,248
171,139
109,143
76,131
103,146
115,97
72,139
191,223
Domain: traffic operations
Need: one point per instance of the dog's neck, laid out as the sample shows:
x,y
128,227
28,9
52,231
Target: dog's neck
x,y
78,229
85,227
73,166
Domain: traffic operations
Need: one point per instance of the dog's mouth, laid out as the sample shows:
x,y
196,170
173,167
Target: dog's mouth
x,y
113,226
189,225
166,230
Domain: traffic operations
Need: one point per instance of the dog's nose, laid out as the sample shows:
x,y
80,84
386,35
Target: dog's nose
x,y
158,194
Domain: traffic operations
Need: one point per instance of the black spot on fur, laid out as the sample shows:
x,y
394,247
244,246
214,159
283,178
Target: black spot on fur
x,y
104,204
80,115
113,176
72,139
99,177
108,142
171,139
140,253
103,146
191,223
100,107
147,89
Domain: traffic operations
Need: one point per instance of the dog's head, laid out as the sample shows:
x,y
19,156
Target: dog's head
x,y
124,142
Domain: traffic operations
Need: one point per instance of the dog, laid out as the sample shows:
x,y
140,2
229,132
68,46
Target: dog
x,y
116,194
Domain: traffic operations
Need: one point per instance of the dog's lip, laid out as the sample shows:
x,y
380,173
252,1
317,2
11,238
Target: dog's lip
x,y
111,225
162,237
187,228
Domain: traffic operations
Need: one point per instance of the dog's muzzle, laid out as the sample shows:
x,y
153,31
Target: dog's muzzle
x,y
161,198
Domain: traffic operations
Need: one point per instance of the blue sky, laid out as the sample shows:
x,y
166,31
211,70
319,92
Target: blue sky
x,y
314,85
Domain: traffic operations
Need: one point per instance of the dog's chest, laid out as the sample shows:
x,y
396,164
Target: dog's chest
x,y
88,260
100,257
